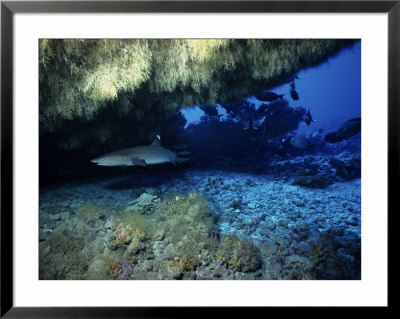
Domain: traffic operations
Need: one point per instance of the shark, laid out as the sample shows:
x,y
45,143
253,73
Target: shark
x,y
139,155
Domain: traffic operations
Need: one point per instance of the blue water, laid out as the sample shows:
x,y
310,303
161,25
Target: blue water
x,y
331,90
244,206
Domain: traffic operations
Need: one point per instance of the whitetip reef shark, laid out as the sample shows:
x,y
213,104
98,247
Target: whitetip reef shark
x,y
138,155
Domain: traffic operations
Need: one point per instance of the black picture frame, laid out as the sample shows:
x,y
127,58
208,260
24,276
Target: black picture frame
x,y
9,8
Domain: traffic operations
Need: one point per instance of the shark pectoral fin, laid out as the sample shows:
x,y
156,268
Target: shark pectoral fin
x,y
138,161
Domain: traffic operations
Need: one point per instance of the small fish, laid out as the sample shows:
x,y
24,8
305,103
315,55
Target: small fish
x,y
268,96
294,94
42,239
308,118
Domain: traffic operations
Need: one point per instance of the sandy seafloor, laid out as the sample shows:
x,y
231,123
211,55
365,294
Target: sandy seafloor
x,y
263,226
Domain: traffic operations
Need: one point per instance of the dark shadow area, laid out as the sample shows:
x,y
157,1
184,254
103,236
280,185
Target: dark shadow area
x,y
145,179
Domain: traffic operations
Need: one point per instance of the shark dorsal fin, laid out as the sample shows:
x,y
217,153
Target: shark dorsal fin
x,y
157,140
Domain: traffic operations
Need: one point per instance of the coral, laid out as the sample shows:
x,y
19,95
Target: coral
x,y
89,211
138,221
239,255
113,269
184,263
125,235
177,240
97,269
348,169
126,268
52,252
144,203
